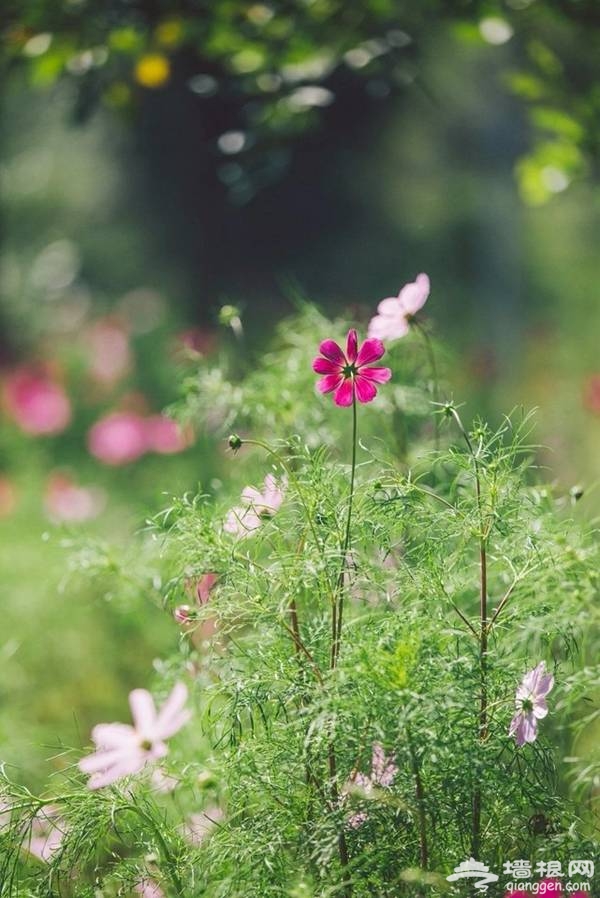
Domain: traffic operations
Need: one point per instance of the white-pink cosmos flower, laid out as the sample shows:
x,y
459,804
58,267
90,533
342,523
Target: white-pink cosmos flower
x,y
383,773
47,832
530,702
67,502
257,506
395,313
108,351
122,750
148,888
199,826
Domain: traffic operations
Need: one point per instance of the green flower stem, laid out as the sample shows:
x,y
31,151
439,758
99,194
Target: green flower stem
x,y
483,635
338,605
170,862
434,374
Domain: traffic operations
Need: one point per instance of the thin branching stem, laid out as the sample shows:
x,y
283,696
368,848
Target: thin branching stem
x,y
434,374
483,634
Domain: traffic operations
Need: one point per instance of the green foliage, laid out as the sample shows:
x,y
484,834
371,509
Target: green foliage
x,y
283,724
265,73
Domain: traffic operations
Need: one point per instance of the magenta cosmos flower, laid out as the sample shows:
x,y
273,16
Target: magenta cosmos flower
x,y
394,314
38,404
530,702
122,750
349,374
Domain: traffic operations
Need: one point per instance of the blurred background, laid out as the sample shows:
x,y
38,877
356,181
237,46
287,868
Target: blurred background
x,y
162,162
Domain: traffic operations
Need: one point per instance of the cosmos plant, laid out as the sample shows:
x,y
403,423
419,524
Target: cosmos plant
x,y
339,717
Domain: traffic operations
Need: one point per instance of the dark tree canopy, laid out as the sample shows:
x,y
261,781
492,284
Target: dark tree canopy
x,y
262,73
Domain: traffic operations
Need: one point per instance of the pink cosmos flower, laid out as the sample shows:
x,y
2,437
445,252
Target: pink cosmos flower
x,y
109,354
204,587
66,502
591,393
199,826
37,404
244,519
148,888
118,438
530,702
394,314
165,436
383,773
122,750
195,340
47,833
349,375
163,782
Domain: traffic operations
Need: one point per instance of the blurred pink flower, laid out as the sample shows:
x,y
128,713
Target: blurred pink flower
x,y
118,438
47,833
109,353
349,374
37,404
204,587
148,888
591,393
165,436
246,518
163,782
383,773
530,703
199,826
122,750
394,314
196,340
8,497
65,502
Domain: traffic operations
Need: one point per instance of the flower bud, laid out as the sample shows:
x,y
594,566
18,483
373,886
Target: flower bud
x,y
228,314
234,442
182,614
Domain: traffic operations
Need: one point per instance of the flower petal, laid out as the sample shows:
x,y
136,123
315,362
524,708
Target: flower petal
x,y
413,296
321,365
344,394
371,350
390,306
205,584
329,382
351,345
113,735
366,390
172,716
388,327
102,760
251,496
378,375
331,351
125,767
143,711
